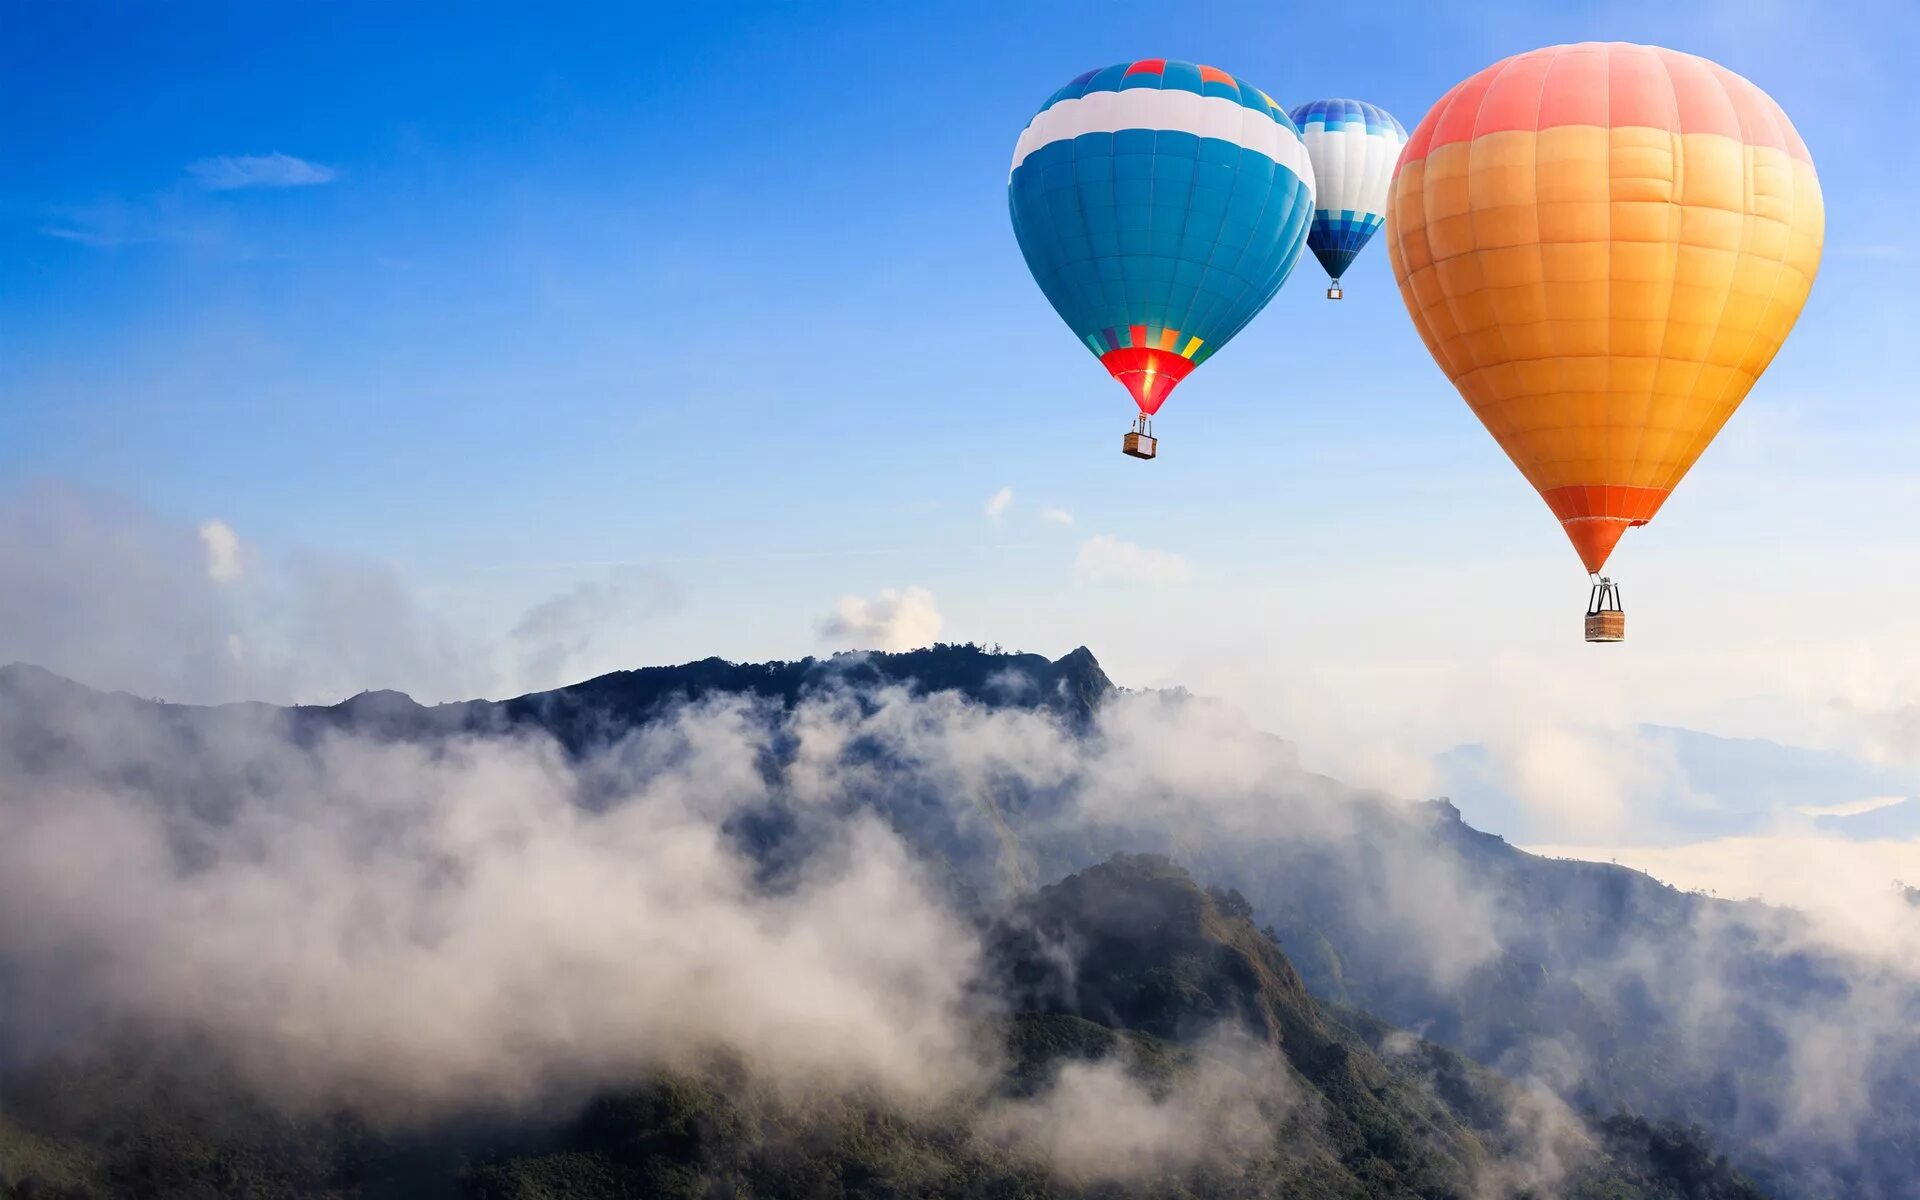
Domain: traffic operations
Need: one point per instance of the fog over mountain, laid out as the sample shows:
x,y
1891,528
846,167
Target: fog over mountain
x,y
1704,786
462,949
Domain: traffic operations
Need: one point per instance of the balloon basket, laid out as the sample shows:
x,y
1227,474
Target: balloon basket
x,y
1607,626
1333,290
1140,442
1606,620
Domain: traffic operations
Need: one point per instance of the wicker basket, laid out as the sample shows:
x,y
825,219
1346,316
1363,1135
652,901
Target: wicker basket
x,y
1608,625
1140,445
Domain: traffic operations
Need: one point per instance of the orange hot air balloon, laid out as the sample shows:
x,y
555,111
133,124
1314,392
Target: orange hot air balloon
x,y
1603,246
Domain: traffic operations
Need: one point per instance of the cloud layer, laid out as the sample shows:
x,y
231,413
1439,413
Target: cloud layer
x,y
232,172
482,925
224,561
486,922
1109,560
556,635
403,928
115,595
895,619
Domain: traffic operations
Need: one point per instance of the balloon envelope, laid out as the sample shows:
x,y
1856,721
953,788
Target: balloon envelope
x,y
1353,146
1160,205
1603,246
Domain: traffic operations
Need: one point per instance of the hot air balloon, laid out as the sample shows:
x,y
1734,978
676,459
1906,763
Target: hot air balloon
x,y
1160,205
1352,145
1603,246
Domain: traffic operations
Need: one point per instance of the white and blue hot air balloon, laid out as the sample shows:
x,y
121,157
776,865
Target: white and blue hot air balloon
x,y
1160,204
1353,146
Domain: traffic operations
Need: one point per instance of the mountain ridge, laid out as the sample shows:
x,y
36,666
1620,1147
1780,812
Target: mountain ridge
x,y
1591,960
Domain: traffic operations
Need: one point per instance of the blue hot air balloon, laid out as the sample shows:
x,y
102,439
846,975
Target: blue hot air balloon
x,y
1353,146
1160,205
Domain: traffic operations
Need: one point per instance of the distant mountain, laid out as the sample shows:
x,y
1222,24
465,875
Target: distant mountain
x,y
1720,787
1627,996
1898,819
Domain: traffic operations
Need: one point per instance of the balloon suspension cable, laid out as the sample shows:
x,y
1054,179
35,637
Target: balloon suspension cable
x,y
1606,619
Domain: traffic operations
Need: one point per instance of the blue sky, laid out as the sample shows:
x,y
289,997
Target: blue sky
x,y
500,305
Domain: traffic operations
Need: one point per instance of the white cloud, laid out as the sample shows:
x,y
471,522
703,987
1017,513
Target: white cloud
x,y
999,502
508,945
554,635
103,238
224,563
1096,1121
1108,559
420,926
1852,808
231,172
1056,516
896,619
110,223
112,594
1850,889
453,964
1593,782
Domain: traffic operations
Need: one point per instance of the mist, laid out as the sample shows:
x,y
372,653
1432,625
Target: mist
x,y
1095,1121
486,922
484,925
115,594
407,929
